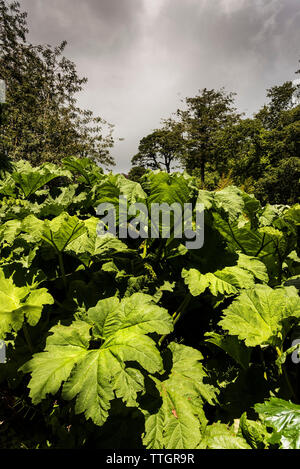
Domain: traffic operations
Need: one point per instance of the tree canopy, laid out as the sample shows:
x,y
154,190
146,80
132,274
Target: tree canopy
x,y
162,148
41,120
211,140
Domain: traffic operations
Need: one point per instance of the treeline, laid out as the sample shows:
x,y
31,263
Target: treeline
x,y
42,122
211,140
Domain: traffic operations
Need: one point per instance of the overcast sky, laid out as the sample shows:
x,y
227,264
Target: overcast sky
x,y
142,57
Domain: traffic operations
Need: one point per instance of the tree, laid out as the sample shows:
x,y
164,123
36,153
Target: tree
x,y
136,172
5,164
161,148
206,114
264,152
280,184
41,120
279,180
280,99
239,149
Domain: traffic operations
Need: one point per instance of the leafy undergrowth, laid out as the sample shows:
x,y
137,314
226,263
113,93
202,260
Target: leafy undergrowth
x,y
144,343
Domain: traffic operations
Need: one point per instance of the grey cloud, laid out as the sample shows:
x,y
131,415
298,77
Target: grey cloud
x,y
247,49
91,26
140,56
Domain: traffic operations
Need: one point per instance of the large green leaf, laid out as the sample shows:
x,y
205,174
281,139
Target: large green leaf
x,y
227,281
65,346
231,203
96,376
178,421
10,230
59,232
169,188
31,179
293,213
255,266
250,233
89,171
231,345
90,244
18,303
175,425
114,186
136,313
284,417
219,436
254,432
7,186
259,316
55,206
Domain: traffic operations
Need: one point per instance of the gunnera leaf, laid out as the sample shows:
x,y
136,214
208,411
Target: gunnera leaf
x,y
96,375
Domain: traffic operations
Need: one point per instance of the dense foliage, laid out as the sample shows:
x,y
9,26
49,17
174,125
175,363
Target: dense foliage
x,y
141,342
41,120
211,141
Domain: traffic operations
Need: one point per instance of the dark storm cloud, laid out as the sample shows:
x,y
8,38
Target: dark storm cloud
x,y
139,55
91,26
244,45
103,40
